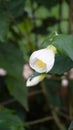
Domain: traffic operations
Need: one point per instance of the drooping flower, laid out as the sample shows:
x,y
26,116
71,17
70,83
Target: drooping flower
x,y
32,81
43,60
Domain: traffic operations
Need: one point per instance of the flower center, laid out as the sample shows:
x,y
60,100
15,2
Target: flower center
x,y
40,63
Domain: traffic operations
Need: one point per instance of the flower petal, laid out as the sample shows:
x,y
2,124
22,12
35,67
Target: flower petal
x,y
35,80
47,56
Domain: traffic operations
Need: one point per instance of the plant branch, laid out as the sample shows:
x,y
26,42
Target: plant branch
x,y
39,120
53,111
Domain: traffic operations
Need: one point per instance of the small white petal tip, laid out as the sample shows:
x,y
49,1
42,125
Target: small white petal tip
x,y
32,81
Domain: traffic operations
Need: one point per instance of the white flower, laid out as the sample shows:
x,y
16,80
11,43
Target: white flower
x,y
43,60
32,81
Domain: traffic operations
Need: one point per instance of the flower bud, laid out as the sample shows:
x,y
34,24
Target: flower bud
x,y
32,81
27,71
2,72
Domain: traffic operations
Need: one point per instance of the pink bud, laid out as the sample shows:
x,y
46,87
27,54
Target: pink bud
x,y
27,71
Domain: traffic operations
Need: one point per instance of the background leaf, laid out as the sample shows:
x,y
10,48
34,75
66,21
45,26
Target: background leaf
x,y
64,44
18,90
9,121
11,59
62,64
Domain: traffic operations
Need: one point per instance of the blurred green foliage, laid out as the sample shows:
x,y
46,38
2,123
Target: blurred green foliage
x,y
25,26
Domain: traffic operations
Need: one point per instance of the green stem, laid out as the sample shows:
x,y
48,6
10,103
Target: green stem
x,y
53,111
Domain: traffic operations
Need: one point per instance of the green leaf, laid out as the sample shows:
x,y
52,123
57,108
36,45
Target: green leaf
x,y
48,4
4,22
62,64
11,59
18,90
64,26
49,39
4,126
55,11
9,11
4,28
65,10
41,12
9,121
64,44
13,8
71,126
